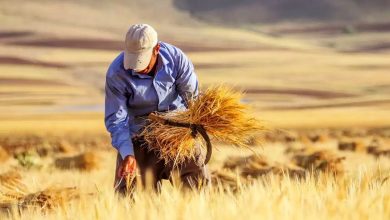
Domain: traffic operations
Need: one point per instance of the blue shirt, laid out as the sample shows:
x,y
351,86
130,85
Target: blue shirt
x,y
129,96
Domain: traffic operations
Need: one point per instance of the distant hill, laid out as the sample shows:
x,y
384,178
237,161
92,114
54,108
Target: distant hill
x,y
109,18
266,11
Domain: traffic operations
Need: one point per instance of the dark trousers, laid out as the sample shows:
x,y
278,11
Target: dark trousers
x,y
192,173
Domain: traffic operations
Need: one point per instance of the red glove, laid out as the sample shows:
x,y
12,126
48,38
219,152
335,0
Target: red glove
x,y
128,166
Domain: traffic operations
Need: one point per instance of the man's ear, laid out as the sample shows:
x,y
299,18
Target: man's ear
x,y
156,49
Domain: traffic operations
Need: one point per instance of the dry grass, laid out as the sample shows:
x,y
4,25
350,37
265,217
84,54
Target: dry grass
x,y
218,109
364,195
241,185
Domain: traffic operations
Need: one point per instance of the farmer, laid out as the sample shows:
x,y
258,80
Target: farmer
x,y
148,76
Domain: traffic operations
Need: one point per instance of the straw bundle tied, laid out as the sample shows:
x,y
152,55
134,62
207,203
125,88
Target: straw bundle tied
x,y
218,110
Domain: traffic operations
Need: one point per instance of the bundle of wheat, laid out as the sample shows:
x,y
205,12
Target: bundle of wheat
x,y
226,180
379,152
11,188
323,161
237,162
49,198
66,147
254,166
11,181
254,170
218,111
85,161
356,145
44,200
378,148
10,178
4,156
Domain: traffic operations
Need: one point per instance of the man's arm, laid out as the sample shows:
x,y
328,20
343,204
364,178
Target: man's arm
x,y
117,118
186,81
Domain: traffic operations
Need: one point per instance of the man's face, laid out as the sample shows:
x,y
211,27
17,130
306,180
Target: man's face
x,y
152,60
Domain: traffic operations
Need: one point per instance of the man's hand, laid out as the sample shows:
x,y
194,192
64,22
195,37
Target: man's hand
x,y
128,166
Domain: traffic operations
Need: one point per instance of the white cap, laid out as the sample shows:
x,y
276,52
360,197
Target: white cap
x,y
139,43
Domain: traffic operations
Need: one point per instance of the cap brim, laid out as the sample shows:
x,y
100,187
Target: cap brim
x,y
137,61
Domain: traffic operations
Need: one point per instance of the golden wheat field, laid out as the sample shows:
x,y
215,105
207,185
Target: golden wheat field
x,y
320,88
289,174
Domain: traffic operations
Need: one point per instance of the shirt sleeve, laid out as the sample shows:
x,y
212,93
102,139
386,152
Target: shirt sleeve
x,y
117,118
186,81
